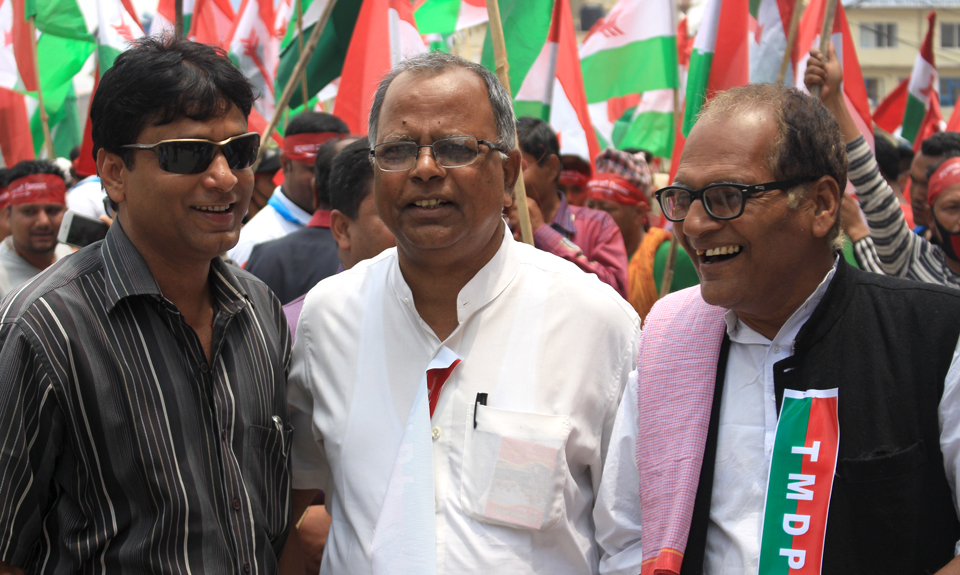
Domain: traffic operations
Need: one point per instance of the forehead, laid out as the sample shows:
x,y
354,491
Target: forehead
x,y
221,127
733,148
444,102
45,207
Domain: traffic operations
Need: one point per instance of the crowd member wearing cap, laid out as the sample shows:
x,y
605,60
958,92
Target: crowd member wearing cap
x,y
588,238
573,179
292,204
901,252
621,187
293,264
943,209
793,414
142,379
34,204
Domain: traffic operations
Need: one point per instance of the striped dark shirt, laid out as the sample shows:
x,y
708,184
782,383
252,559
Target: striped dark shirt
x,y
121,449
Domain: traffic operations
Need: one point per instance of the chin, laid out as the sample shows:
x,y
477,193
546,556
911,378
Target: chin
x,y
720,296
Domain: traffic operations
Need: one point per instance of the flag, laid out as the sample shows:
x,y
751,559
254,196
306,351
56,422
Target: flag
x,y
854,89
282,18
923,87
212,22
16,142
326,63
632,50
164,20
553,88
769,27
889,112
930,124
526,25
447,16
385,33
254,48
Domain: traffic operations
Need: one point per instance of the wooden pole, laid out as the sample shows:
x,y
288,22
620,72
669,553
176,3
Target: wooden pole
x,y
791,40
503,74
825,34
44,118
178,18
668,268
306,95
294,79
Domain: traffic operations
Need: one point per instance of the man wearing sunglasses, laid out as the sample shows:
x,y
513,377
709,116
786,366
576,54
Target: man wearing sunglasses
x,y
143,380
441,393
792,412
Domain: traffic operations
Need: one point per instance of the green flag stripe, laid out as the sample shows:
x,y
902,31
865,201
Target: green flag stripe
x,y
637,67
651,131
697,80
791,431
912,117
437,16
533,109
526,24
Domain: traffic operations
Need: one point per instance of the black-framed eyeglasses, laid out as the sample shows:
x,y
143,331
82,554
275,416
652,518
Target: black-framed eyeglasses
x,y
722,201
193,156
451,152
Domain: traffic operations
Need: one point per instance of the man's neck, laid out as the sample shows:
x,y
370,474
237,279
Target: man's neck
x,y
953,264
39,260
303,205
633,242
549,205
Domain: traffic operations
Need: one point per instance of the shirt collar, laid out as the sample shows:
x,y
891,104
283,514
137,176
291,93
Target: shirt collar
x,y
740,332
483,288
320,219
301,216
563,221
127,274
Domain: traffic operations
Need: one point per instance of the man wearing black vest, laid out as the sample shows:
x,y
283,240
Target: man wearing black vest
x,y
791,412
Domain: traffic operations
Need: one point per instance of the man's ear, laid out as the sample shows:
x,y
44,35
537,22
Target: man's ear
x,y
553,166
826,205
112,171
511,171
340,228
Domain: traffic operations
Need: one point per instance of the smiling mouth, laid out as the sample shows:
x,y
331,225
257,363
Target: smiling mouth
x,y
720,254
430,204
214,209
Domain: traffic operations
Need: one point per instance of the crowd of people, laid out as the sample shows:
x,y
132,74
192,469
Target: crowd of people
x,y
343,360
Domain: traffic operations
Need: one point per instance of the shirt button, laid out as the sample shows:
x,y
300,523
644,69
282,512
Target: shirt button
x,y
436,433
236,504
204,367
773,398
776,349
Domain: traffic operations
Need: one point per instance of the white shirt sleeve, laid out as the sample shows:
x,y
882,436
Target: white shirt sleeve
x,y
949,416
617,511
308,458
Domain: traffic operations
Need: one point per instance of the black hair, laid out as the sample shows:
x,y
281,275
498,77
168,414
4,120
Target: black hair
x,y
3,177
537,138
350,177
321,171
310,122
942,160
575,163
30,167
940,144
158,81
74,152
888,158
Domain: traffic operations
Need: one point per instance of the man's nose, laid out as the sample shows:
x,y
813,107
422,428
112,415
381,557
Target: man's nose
x,y
426,165
220,173
698,221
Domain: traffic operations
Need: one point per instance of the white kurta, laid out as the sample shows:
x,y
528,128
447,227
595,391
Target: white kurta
x,y
268,225
747,428
552,347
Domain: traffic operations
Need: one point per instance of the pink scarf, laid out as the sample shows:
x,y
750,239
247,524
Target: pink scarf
x,y
679,349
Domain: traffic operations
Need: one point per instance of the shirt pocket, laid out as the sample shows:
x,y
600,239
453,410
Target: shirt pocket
x,y
514,468
267,474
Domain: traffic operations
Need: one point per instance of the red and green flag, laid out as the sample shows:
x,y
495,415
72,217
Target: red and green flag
x,y
769,27
445,17
254,48
923,88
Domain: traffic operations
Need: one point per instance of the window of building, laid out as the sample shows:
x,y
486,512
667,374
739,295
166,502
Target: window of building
x,y
949,91
874,89
950,35
878,35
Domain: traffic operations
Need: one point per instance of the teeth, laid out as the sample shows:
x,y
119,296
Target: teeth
x,y
719,251
212,208
427,203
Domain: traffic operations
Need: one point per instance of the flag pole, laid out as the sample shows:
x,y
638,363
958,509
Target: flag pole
x,y
503,74
178,18
294,79
825,34
300,39
671,262
44,119
791,40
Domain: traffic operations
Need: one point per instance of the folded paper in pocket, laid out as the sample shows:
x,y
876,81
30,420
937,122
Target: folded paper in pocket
x,y
522,484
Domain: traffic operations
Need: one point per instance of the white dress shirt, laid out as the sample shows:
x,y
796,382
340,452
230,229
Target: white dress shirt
x,y
16,271
747,428
552,347
268,225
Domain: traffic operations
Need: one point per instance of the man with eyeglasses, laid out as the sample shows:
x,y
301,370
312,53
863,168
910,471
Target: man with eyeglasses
x,y
792,413
142,380
441,393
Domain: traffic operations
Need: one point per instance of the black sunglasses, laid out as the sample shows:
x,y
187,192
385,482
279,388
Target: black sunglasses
x,y
722,201
193,156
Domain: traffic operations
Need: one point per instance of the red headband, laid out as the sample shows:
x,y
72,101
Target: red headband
x,y
946,175
303,147
613,188
35,189
573,178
